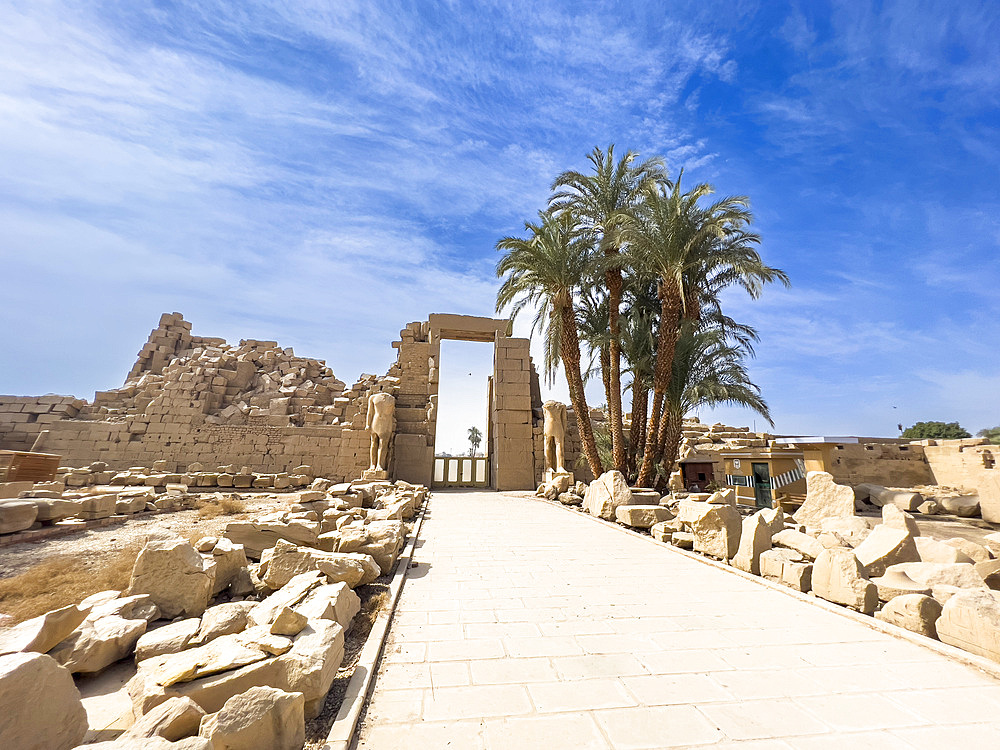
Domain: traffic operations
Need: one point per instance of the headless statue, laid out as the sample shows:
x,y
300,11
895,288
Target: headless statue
x,y
554,431
380,423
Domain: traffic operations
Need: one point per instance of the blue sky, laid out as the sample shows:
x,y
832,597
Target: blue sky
x,y
322,173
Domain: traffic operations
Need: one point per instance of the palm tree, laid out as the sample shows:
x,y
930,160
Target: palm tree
x,y
694,253
546,270
708,370
475,438
639,352
604,203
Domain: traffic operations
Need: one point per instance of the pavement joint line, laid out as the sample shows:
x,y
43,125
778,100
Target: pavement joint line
x,y
981,663
345,724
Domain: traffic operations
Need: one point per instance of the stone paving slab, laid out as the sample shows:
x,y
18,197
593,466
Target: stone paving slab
x,y
526,626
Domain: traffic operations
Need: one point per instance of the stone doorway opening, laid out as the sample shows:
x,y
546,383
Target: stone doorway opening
x,y
462,430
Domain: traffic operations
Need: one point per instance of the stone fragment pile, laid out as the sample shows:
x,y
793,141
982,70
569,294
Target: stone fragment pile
x,y
229,653
949,590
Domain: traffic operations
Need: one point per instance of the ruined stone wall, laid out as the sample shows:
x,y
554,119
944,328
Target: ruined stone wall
x,y
962,463
22,418
891,464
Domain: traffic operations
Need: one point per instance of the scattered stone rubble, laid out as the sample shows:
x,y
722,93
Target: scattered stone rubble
x,y
229,653
948,590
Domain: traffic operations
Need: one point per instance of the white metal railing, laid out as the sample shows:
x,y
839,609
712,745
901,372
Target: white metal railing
x,y
461,471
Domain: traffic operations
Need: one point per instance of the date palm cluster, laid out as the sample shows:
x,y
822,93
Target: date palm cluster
x,y
626,265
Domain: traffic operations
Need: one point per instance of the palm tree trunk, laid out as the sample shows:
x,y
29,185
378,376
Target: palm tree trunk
x,y
570,351
606,372
672,440
613,278
637,432
670,313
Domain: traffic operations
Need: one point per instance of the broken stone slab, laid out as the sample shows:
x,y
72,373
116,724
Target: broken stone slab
x,y
885,546
809,547
167,639
962,575
261,535
917,613
662,531
755,539
230,564
17,515
853,529
172,720
988,484
642,516
964,506
942,592
131,504
605,494
98,643
992,543
682,539
722,497
895,518
824,499
644,496
260,717
990,571
975,552
838,577
98,506
716,530
797,575
174,575
289,595
971,621
772,562
222,619
569,498
282,562
332,601
928,508
383,540
905,500
288,622
55,509
40,706
225,653
897,583
934,551
42,633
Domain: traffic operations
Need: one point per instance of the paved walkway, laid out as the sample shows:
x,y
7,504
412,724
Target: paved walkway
x,y
526,626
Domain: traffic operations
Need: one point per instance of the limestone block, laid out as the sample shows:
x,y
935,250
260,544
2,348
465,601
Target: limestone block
x,y
933,551
282,562
260,717
971,621
976,552
903,499
755,539
897,583
988,484
353,568
992,543
797,575
772,562
174,575
928,508
98,506
808,546
569,498
838,577
960,505
222,619
605,494
131,504
168,639
230,564
98,643
899,519
824,499
853,529
682,539
661,531
868,492
172,720
885,546
641,496
963,575
17,515
40,706
915,612
722,497
717,531
55,509
42,633
228,652
332,601
642,516
383,540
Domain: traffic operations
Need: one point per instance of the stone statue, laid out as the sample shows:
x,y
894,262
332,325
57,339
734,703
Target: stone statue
x,y
554,432
380,423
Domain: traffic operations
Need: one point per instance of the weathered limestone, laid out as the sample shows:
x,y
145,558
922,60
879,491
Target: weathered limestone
x,y
353,568
40,707
260,717
915,612
824,499
42,633
960,505
772,562
383,540
971,621
838,577
257,536
853,529
98,506
16,515
554,437
333,601
716,530
642,516
172,720
975,552
932,551
168,639
175,576
288,622
809,547
990,572
897,583
51,510
222,619
755,539
380,423
885,546
98,643
963,575
989,496
605,494
895,518
230,566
